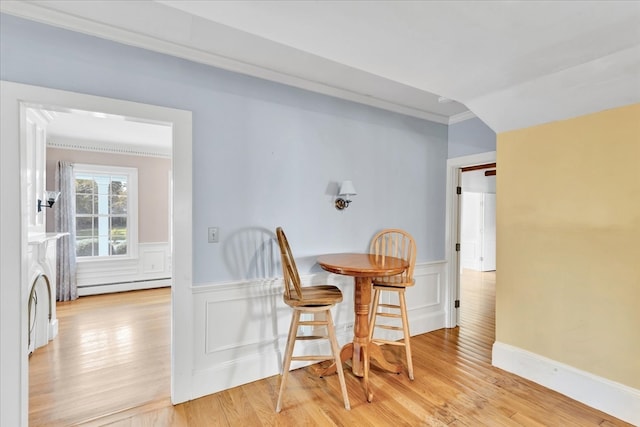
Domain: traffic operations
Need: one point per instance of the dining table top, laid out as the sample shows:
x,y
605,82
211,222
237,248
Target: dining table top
x,y
362,264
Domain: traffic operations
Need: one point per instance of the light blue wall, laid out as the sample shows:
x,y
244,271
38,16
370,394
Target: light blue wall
x,y
264,154
471,136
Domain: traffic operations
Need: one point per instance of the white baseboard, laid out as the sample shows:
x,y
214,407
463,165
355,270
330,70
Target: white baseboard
x,y
233,373
53,329
608,396
249,367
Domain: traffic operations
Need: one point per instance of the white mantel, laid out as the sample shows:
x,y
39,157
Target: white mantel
x,y
41,255
43,238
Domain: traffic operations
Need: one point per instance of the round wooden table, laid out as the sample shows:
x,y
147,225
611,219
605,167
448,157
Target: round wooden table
x,y
363,267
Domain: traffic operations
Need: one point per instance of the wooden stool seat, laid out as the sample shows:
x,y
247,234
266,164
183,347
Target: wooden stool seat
x,y
318,295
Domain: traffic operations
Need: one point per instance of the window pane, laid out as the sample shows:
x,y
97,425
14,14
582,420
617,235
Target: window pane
x,y
118,228
118,205
85,236
118,247
85,227
85,246
84,204
118,236
85,186
118,186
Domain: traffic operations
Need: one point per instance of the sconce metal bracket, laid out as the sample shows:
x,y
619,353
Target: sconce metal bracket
x,y
342,203
41,205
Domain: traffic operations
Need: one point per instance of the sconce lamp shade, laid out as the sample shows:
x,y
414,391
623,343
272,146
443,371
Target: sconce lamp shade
x,y
344,195
347,189
50,198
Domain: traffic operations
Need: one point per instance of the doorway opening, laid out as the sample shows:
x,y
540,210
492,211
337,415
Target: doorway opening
x,y
121,241
484,162
13,305
477,258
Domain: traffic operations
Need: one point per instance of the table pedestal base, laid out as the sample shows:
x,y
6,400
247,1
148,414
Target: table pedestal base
x,y
362,267
357,354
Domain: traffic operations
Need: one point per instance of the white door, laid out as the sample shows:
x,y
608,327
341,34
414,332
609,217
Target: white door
x,y
471,231
478,231
488,257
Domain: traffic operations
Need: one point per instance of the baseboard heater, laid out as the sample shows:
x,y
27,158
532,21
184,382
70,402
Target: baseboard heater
x,y
132,285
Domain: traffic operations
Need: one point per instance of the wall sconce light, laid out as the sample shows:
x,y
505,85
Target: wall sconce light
x,y
51,197
346,191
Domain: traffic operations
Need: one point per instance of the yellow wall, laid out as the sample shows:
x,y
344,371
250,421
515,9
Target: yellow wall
x,y
568,230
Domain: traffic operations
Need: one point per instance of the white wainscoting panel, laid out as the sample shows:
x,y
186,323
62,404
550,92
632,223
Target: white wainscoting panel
x,y
151,269
600,393
154,261
240,328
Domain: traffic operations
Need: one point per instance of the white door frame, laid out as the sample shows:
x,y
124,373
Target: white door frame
x,y
14,387
451,229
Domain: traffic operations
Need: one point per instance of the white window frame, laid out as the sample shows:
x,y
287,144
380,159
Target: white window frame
x,y
132,208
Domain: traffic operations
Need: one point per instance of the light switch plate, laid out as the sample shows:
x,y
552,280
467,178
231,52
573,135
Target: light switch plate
x,y
213,234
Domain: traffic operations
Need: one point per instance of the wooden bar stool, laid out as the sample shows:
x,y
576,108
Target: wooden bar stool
x,y
397,243
308,299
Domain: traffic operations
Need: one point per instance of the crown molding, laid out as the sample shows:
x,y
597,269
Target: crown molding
x,y
40,12
461,117
107,147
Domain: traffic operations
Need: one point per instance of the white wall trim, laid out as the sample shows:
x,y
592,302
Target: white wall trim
x,y
13,245
461,117
251,348
451,232
48,14
616,399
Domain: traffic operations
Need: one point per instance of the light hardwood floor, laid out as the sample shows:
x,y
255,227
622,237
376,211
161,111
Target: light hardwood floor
x,y
110,366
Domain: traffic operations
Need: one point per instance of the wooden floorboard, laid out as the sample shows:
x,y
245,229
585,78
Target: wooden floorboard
x,y
110,366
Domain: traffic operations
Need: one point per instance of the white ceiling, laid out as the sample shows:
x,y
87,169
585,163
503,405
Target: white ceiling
x,y
513,64
86,129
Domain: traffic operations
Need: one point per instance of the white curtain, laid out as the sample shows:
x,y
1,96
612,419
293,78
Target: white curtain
x,y
67,289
